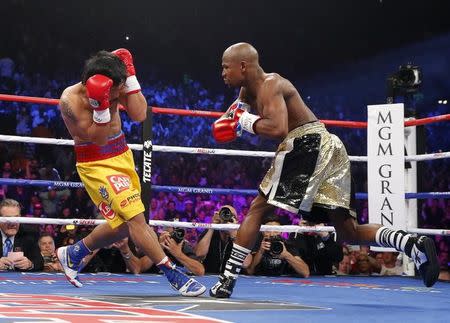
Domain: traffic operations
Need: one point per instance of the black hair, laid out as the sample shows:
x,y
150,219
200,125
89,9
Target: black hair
x,y
107,64
271,218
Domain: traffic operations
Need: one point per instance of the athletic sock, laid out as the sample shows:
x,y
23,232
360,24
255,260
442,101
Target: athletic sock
x,y
397,239
234,263
165,264
78,251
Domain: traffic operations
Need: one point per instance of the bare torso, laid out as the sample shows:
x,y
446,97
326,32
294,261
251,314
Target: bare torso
x,y
77,114
298,112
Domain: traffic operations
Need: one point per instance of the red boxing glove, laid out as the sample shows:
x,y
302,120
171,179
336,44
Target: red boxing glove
x,y
236,119
132,85
126,57
98,89
226,130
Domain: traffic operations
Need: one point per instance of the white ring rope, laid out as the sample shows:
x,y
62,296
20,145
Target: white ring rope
x,y
207,151
197,225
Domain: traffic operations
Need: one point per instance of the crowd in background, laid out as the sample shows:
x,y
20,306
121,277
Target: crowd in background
x,y
30,161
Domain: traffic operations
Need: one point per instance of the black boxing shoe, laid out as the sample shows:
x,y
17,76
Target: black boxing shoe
x,y
223,288
423,253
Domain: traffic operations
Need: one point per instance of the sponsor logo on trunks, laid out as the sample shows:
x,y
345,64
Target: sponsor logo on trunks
x,y
103,193
119,183
130,200
106,211
147,162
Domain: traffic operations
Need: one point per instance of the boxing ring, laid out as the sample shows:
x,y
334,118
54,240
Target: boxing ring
x,y
107,297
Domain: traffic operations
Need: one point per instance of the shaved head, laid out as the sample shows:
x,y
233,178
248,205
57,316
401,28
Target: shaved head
x,y
241,52
239,63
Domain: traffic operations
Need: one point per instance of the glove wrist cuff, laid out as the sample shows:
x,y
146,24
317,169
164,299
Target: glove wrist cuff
x,y
247,121
101,117
132,85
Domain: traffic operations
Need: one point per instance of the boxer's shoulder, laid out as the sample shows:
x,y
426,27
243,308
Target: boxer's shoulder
x,y
73,101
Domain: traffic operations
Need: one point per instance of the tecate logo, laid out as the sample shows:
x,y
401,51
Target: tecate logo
x,y
147,144
147,173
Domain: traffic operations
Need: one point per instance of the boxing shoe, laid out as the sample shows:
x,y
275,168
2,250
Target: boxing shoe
x,y
181,282
70,267
223,288
423,253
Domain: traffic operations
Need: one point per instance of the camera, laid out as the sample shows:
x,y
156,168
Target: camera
x,y
225,214
407,79
177,234
276,245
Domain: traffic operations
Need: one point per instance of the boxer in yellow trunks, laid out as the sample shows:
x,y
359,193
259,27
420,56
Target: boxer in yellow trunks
x,y
310,174
106,167
109,176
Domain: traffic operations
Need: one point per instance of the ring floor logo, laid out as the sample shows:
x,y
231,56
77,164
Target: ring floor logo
x,y
52,308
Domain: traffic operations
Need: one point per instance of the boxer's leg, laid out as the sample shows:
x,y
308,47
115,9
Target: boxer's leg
x,y
420,249
145,239
245,240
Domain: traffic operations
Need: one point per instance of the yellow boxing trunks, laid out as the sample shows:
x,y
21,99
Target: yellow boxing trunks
x,y
109,175
310,169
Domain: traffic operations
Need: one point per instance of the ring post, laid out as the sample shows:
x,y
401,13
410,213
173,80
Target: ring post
x,y
146,169
410,187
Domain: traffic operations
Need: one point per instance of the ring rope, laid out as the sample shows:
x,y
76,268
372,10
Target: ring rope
x,y
194,190
205,151
212,114
197,225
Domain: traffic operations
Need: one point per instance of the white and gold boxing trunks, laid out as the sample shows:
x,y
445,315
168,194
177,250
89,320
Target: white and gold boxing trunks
x,y
310,169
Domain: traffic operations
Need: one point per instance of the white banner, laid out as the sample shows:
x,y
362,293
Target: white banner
x,y
386,165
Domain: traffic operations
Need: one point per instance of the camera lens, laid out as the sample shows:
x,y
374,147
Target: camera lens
x,y
177,235
276,247
225,214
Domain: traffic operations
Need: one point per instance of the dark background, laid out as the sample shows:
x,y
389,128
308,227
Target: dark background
x,y
295,38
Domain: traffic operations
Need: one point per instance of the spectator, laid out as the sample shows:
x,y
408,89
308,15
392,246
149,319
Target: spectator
x,y
365,265
214,247
271,261
177,249
188,213
391,266
52,201
47,248
344,266
171,212
6,173
318,249
19,251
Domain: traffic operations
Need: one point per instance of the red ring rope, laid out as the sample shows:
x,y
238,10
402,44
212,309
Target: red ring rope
x,y
212,114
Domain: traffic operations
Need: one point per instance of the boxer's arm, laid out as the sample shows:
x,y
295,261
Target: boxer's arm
x,y
136,106
133,100
274,121
97,134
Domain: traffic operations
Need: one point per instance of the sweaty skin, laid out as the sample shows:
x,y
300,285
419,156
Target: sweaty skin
x,y
273,97
77,114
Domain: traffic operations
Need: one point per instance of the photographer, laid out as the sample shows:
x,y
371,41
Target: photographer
x,y
47,248
317,249
275,256
177,249
214,247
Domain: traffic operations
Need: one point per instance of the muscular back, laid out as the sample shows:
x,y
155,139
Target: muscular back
x,y
77,114
276,97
